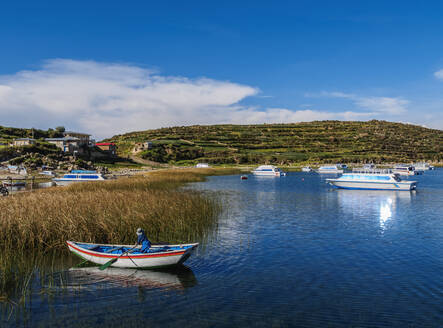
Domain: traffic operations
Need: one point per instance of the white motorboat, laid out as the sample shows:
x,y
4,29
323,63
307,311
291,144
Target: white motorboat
x,y
423,166
202,165
330,169
268,170
369,166
307,169
404,169
78,176
372,179
47,173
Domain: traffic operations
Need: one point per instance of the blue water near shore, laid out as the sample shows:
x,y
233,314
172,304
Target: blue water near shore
x,y
288,252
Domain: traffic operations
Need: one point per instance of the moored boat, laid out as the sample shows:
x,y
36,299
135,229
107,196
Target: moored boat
x,y
330,169
369,166
78,176
404,169
307,169
372,179
202,165
47,173
268,170
423,166
129,257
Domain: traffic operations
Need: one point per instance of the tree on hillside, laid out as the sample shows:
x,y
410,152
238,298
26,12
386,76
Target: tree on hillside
x,y
60,129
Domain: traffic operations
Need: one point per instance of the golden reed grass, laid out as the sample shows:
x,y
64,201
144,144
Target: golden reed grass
x,y
109,212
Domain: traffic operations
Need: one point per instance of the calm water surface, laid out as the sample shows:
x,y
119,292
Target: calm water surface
x,y
288,251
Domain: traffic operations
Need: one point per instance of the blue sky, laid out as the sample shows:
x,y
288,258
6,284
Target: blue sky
x,y
110,66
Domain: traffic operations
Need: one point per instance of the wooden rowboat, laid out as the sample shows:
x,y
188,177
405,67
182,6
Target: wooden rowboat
x,y
158,255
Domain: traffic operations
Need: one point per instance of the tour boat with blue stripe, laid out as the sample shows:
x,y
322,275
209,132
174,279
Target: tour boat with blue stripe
x,y
269,171
129,257
78,176
372,179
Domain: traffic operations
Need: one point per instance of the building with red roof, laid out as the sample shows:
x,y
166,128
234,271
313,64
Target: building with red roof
x,y
108,147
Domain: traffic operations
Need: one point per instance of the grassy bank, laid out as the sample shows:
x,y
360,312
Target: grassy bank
x,y
109,212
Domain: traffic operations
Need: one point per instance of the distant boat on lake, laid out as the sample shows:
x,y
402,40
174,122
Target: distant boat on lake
x,y
269,171
330,169
307,169
423,166
369,166
47,173
404,169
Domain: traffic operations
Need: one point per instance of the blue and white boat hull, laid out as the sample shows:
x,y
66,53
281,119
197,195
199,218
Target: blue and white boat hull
x,y
65,182
404,185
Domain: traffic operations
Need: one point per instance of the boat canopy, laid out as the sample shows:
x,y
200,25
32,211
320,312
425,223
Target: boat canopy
x,y
354,176
80,176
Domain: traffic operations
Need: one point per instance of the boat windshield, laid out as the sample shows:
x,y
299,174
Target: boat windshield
x,y
88,176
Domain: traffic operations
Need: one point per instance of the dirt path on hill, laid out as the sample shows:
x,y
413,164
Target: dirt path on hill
x,y
146,162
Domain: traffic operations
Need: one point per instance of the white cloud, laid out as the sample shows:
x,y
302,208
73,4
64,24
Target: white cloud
x,y
384,105
106,99
439,74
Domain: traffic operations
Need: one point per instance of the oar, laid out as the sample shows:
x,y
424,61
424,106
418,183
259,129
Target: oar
x,y
80,264
112,249
107,264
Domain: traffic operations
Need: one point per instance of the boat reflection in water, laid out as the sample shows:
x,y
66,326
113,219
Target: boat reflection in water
x,y
382,204
175,278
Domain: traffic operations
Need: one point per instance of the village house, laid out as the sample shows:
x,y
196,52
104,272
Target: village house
x,y
66,144
23,142
108,147
140,146
83,138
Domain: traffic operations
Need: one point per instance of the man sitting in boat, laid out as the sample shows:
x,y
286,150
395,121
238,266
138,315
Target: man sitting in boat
x,y
143,240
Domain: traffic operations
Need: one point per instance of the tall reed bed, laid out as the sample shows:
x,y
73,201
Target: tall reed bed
x,y
109,212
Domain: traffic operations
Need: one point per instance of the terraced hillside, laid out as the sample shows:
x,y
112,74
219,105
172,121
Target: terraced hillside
x,y
319,142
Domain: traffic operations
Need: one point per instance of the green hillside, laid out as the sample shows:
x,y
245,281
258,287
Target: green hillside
x,y
7,134
311,142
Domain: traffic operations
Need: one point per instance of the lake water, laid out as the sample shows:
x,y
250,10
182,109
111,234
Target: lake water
x,y
287,252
